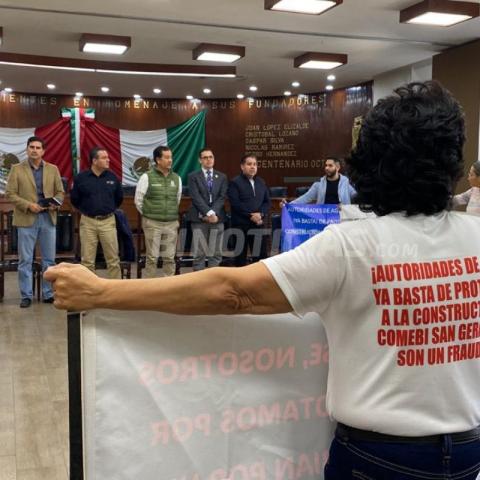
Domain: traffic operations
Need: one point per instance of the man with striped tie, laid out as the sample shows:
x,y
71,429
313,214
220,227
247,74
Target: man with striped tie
x,y
208,188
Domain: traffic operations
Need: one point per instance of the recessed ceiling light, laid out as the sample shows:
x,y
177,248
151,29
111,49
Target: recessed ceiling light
x,y
189,97
287,93
136,96
441,13
105,89
96,43
8,89
51,86
212,52
323,61
329,87
157,91
79,94
295,84
331,78
253,88
439,19
240,96
207,91
312,7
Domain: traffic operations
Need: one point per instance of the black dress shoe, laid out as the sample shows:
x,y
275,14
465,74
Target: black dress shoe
x,y
49,300
25,303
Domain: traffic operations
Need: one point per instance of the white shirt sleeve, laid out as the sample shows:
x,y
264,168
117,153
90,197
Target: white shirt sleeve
x,y
310,275
179,193
140,191
462,198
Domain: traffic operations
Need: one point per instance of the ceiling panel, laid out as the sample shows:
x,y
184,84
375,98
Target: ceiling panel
x,y
166,31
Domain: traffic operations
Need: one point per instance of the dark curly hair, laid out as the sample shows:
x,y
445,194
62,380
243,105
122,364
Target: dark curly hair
x,y
409,157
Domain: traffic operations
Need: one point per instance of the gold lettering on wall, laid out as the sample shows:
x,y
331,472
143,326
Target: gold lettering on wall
x,y
292,102
27,100
299,101
275,141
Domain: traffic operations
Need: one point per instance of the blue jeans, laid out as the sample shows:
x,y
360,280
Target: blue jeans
x,y
44,231
445,460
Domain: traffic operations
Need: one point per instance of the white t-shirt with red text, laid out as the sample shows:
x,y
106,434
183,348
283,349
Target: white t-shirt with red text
x,y
400,300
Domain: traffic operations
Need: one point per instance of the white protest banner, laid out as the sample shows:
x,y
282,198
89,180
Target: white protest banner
x,y
170,397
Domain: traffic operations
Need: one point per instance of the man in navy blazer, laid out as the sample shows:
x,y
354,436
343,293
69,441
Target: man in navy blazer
x,y
208,189
250,204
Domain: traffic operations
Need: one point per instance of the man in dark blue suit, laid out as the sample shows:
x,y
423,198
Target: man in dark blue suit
x,y
208,189
249,203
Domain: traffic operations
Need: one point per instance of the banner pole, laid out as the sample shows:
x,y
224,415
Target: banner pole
x,y
75,395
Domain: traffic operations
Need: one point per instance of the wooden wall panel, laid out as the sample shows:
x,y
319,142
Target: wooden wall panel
x,y
290,135
458,70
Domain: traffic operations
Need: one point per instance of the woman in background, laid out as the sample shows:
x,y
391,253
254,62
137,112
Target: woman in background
x,y
471,198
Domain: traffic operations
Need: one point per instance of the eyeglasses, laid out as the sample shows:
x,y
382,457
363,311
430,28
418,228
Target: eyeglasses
x,y
206,157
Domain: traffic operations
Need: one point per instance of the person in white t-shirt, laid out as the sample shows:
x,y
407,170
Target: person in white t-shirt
x,y
471,198
398,294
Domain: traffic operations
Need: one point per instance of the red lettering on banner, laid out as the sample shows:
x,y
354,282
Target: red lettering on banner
x,y
242,419
466,351
254,471
395,317
247,418
470,289
443,334
471,265
181,429
444,292
410,358
430,306
436,355
403,338
226,364
401,272
306,465
414,295
318,355
382,296
469,331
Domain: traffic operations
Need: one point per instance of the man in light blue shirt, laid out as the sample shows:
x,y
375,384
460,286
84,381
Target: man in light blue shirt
x,y
333,188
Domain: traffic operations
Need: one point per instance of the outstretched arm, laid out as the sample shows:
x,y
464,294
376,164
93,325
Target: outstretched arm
x,y
214,291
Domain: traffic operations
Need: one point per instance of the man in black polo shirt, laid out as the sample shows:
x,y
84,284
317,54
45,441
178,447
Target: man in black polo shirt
x,y
97,193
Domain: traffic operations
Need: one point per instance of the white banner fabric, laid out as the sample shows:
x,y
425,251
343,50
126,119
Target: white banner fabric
x,y
204,398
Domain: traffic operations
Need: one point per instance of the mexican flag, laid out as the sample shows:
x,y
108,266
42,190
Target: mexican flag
x,y
70,139
77,118
131,151
13,147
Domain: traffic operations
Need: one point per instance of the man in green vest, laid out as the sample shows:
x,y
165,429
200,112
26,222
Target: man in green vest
x,y
157,198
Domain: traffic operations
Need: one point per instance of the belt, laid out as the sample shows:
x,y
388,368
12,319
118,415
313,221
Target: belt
x,y
345,432
99,217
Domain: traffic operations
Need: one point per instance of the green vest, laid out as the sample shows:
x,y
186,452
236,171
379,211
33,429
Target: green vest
x,y
160,202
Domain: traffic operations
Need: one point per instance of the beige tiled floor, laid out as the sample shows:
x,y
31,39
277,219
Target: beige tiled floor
x,y
33,390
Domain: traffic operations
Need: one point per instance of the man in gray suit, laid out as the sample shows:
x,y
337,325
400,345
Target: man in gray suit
x,y
208,189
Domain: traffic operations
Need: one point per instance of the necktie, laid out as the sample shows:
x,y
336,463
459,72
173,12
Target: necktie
x,y
210,184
